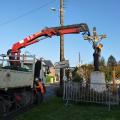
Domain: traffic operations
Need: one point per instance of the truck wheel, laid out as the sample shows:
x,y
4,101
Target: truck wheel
x,y
3,108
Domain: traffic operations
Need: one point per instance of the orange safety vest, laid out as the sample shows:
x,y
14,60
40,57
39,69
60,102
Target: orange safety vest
x,y
40,86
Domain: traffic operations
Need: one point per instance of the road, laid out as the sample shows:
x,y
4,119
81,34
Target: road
x,y
50,90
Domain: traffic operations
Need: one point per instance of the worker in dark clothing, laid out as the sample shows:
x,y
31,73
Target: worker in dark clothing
x,y
38,82
37,69
96,56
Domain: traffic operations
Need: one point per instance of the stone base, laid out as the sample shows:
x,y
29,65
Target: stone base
x,y
97,81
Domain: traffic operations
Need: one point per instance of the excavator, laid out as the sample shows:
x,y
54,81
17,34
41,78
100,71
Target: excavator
x,y
23,87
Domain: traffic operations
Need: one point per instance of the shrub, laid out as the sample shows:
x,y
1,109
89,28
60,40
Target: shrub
x,y
78,78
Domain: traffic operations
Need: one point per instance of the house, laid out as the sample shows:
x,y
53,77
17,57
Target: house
x,y
49,65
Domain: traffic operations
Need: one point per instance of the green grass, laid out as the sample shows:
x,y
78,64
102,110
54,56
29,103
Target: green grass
x,y
55,109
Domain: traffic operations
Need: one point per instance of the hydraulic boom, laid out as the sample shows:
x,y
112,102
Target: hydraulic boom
x,y
47,32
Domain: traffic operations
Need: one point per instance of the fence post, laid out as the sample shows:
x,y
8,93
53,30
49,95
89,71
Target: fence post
x,y
109,98
114,83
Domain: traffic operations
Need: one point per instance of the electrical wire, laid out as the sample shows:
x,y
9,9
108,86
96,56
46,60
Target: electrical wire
x,y
27,13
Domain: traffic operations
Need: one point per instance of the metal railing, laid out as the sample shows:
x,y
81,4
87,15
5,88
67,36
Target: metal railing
x,y
24,60
93,93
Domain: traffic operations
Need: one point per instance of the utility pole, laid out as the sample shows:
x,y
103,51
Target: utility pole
x,y
61,41
79,58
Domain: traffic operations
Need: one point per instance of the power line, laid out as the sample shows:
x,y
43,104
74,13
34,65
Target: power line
x,y
25,14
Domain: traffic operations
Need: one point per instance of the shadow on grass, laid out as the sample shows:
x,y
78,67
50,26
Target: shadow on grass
x,y
55,109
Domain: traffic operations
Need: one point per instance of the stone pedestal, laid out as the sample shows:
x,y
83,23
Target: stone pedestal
x,y
97,81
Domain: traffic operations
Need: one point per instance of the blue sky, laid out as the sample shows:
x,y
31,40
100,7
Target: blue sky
x,y
16,24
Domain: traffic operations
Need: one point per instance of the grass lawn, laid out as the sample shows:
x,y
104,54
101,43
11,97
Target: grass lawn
x,y
56,110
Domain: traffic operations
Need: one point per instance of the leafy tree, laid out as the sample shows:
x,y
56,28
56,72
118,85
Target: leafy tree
x,y
74,71
111,61
87,69
109,70
102,61
77,75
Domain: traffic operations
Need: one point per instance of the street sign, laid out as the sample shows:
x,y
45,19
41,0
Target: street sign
x,y
62,64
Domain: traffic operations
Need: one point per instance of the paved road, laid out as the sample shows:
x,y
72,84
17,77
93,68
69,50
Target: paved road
x,y
50,90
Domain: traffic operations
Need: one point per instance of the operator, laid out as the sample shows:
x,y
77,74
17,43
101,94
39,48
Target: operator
x,y
39,86
37,76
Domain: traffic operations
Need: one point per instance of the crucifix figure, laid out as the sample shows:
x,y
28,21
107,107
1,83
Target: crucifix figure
x,y
97,46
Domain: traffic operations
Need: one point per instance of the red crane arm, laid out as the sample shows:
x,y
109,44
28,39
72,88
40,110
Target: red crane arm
x,y
49,32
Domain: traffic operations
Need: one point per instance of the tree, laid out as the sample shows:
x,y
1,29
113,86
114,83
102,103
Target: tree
x,y
111,61
118,63
102,61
